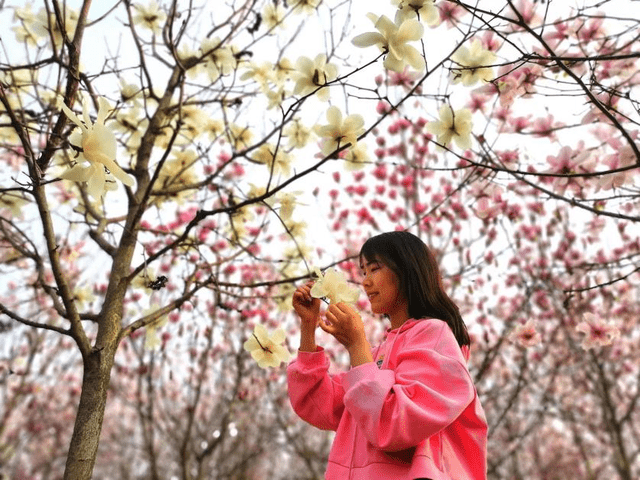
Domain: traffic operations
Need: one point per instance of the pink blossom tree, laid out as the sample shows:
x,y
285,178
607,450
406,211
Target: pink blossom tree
x,y
152,217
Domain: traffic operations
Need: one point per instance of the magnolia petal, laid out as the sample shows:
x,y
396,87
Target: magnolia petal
x,y
70,115
412,57
368,39
278,336
103,110
393,64
77,173
334,115
410,30
386,26
251,344
96,183
116,170
282,353
85,112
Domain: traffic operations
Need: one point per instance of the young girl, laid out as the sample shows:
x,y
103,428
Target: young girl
x,y
407,409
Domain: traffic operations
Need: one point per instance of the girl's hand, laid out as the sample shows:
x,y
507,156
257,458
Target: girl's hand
x,y
346,326
307,307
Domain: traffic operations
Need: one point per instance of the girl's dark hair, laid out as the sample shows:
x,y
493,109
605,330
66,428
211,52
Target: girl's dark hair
x,y
420,281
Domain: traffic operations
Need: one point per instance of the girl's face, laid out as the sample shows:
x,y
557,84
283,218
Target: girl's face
x,y
383,289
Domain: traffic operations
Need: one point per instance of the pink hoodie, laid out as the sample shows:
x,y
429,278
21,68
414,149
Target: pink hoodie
x,y
414,413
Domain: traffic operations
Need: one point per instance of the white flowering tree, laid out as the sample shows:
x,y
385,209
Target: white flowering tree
x,y
155,158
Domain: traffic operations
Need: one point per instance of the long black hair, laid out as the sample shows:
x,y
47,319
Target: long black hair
x,y
419,276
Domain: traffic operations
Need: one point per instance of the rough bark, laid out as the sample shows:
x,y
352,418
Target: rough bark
x,y
86,431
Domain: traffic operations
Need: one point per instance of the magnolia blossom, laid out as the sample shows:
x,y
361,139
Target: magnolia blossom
x,y
288,202
43,25
311,74
98,145
306,6
339,132
13,202
219,59
267,349
392,38
273,16
333,285
453,125
177,175
598,331
298,135
279,161
475,63
151,16
357,157
426,10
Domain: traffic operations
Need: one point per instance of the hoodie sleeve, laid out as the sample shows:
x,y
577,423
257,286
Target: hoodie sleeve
x,y
428,389
315,396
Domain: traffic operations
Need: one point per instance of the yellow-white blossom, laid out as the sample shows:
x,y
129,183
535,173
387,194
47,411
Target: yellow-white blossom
x,y
287,202
132,123
279,161
333,285
474,62
392,38
297,134
453,125
239,137
98,146
219,59
259,72
83,296
151,339
267,349
296,229
214,128
339,132
177,173
273,16
425,9
306,6
311,74
357,157
151,16
144,278
12,202
46,25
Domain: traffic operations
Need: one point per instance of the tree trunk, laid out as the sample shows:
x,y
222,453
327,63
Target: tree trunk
x,y
86,431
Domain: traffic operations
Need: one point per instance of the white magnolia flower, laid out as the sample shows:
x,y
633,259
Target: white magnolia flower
x,y
288,202
267,349
273,16
334,286
151,16
357,157
339,132
13,202
311,74
98,146
452,125
219,59
392,37
298,134
306,6
475,64
426,9
279,161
